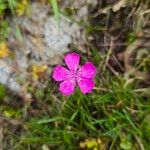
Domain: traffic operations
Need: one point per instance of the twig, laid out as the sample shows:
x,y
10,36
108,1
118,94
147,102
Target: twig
x,y
141,90
1,135
139,142
145,12
112,70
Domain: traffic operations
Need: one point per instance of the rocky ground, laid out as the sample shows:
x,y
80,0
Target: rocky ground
x,y
114,35
40,40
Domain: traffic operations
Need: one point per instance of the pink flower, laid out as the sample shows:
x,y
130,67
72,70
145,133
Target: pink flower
x,y
83,76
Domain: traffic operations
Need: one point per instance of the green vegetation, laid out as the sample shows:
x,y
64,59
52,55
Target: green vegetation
x,y
55,8
116,115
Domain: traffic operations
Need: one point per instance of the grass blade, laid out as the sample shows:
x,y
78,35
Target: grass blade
x,y
54,4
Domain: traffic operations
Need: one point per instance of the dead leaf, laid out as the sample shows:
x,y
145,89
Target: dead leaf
x,y
91,144
38,70
22,7
116,7
4,50
119,5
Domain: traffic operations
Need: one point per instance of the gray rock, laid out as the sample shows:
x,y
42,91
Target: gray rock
x,y
43,41
7,76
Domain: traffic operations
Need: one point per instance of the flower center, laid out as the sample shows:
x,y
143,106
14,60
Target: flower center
x,y
74,76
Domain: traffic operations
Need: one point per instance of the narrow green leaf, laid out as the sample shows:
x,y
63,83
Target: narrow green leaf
x,y
2,92
55,9
48,120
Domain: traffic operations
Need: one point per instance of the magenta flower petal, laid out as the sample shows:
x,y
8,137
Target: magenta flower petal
x,y
69,77
60,73
88,70
72,61
67,87
86,85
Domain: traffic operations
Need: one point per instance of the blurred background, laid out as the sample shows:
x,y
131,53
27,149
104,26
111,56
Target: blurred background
x,y
35,35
